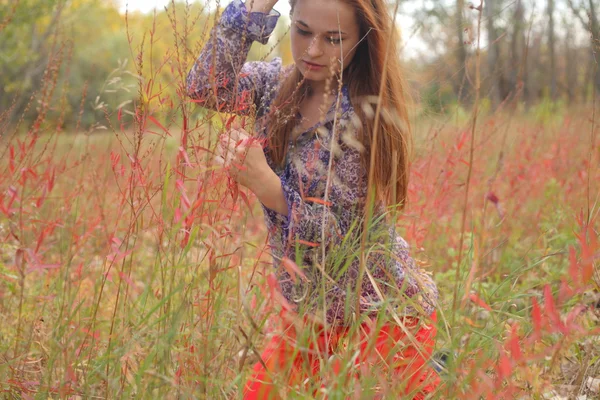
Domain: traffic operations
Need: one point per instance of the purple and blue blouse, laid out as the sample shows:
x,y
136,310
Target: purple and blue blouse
x,y
324,158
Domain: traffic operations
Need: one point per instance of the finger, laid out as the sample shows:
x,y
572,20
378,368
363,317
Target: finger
x,y
234,139
222,150
239,134
234,135
227,157
242,134
251,141
224,159
231,148
236,124
227,147
236,145
229,139
246,146
219,160
224,139
231,157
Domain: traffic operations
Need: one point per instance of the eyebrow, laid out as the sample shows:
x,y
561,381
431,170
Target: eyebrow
x,y
331,32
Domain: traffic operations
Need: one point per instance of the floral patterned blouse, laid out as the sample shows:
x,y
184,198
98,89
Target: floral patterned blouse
x,y
222,77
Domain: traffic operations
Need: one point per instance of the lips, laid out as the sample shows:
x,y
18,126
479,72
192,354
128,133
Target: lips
x,y
311,65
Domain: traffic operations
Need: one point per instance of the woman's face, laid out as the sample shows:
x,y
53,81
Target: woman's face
x,y
324,32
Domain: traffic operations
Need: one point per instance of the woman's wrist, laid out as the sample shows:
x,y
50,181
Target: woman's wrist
x,y
269,192
263,6
263,185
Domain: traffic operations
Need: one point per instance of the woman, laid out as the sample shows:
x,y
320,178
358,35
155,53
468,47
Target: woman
x,y
308,162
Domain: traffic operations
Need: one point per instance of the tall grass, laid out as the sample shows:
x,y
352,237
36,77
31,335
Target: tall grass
x,y
131,267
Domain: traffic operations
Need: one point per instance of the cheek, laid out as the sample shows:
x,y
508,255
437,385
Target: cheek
x,y
348,57
298,46
350,49
335,58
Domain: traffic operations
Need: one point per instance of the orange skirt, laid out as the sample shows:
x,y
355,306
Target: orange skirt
x,y
285,362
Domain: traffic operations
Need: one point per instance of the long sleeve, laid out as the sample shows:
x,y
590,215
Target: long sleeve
x,y
221,79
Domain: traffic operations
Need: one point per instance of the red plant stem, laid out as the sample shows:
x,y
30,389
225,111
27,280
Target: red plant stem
x,y
469,173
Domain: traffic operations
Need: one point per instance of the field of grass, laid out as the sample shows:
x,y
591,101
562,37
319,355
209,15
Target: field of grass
x,y
130,268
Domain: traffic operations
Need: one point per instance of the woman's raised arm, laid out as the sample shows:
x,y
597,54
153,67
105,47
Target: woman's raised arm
x,y
221,79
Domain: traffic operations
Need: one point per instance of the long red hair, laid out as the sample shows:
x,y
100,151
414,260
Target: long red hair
x,y
363,77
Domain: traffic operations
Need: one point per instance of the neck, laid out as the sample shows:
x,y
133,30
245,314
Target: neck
x,y
319,88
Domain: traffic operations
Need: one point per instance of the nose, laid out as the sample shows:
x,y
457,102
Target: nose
x,y
314,49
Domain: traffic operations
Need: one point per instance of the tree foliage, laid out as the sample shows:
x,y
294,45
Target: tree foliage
x,y
103,60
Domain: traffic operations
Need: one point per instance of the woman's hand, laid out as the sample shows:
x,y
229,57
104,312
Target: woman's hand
x,y
243,157
264,6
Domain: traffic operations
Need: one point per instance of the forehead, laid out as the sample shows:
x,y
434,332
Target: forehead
x,y
326,15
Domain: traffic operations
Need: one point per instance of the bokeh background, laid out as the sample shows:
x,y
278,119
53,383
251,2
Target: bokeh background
x,y
535,55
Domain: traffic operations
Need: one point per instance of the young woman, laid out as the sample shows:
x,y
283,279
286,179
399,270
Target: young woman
x,y
308,160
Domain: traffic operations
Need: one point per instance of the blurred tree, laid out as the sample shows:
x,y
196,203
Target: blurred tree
x,y
552,49
586,12
518,51
461,51
107,60
164,45
571,65
445,31
499,90
81,41
96,58
27,28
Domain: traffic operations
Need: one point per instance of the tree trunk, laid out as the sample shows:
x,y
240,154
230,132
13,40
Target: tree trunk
x,y
492,56
517,47
32,72
591,25
571,66
594,38
459,84
551,49
499,88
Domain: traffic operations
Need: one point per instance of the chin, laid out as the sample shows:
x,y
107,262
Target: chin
x,y
311,75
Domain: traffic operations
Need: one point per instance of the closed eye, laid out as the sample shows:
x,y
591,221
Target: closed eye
x,y
331,39
303,32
